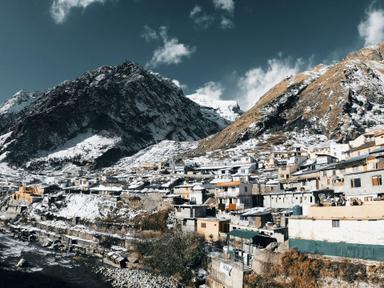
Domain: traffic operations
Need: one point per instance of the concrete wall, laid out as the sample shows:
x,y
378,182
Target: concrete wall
x,y
349,231
225,274
263,259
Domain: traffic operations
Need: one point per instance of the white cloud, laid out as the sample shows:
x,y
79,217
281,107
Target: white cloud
x,y
227,5
149,34
223,15
371,29
170,52
212,90
195,10
226,23
200,18
257,81
61,8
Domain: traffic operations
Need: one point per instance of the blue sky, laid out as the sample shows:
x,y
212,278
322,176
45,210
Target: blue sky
x,y
233,48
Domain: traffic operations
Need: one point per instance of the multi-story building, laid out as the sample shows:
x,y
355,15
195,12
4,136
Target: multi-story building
x,y
346,231
186,216
235,194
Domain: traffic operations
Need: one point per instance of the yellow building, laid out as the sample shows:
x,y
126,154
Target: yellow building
x,y
29,194
212,228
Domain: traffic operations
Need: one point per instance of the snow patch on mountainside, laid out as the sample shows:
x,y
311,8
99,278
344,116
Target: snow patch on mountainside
x,y
84,147
163,151
4,138
228,109
18,102
90,207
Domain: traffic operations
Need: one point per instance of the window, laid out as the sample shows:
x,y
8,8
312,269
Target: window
x,y
377,180
355,183
203,225
335,223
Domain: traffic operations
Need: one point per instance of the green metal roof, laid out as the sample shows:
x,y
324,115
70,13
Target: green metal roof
x,y
245,234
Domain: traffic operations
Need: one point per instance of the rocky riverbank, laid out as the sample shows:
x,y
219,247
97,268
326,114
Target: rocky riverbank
x,y
127,278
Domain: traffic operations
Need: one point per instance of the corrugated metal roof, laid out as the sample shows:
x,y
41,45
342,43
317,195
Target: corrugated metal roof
x,y
245,234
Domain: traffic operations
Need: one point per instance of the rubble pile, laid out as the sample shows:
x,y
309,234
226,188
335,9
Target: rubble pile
x,y
120,278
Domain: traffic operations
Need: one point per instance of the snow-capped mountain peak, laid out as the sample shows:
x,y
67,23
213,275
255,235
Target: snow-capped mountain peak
x,y
18,102
228,109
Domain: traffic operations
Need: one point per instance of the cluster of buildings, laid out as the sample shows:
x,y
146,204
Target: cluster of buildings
x,y
326,200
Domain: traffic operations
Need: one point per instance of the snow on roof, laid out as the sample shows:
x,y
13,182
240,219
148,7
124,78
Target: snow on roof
x,y
257,211
198,187
216,180
107,188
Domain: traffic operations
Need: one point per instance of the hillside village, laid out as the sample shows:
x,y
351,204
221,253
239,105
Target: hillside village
x,y
247,202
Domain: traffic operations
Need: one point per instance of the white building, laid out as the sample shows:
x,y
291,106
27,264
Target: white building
x,y
288,200
346,231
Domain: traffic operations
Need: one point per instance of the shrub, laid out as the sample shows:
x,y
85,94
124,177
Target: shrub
x,y
174,254
152,221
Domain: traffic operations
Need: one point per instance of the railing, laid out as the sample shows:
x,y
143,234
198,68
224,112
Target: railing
x,y
227,194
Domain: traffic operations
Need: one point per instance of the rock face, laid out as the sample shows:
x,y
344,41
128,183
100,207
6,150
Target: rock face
x,y
106,113
339,101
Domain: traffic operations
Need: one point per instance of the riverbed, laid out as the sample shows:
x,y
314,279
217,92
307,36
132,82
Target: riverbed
x,y
46,268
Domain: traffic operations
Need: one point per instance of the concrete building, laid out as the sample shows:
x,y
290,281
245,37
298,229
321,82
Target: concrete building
x,y
363,176
233,195
184,190
340,151
29,194
365,185
346,231
289,199
302,181
186,216
212,229
367,143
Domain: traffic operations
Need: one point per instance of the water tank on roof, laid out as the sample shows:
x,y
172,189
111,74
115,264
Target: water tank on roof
x,y
297,210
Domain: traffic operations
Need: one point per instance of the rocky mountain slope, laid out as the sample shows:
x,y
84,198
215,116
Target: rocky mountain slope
x,y
101,116
339,101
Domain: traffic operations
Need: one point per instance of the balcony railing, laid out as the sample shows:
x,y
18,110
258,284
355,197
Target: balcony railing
x,y
227,194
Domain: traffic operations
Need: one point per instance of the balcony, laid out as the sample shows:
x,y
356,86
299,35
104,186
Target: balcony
x,y
227,194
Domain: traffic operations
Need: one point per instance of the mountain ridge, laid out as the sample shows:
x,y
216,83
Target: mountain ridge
x,y
127,102
339,101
